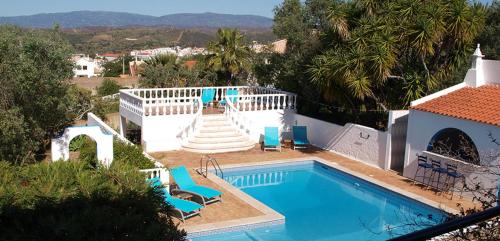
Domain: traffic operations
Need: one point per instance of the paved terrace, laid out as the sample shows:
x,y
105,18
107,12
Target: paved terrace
x,y
232,208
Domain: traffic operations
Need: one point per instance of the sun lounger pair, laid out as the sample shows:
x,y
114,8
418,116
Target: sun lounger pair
x,y
272,138
186,184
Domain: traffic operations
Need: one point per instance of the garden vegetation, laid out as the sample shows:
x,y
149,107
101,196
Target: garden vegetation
x,y
73,200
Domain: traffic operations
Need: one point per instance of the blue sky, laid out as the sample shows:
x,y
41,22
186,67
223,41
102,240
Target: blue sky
x,y
149,7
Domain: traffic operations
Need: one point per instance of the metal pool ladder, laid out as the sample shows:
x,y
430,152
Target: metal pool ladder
x,y
206,159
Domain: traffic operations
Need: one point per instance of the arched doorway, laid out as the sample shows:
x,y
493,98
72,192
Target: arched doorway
x,y
60,146
454,143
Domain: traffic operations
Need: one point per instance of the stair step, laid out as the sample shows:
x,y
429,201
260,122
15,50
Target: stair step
x,y
219,147
215,123
232,133
218,150
216,140
213,117
212,129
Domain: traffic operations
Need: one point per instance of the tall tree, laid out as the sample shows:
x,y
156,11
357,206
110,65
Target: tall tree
x,y
490,37
34,100
228,54
397,49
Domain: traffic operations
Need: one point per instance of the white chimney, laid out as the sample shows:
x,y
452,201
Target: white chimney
x,y
475,75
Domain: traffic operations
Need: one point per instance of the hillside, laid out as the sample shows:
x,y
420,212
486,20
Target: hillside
x,y
80,19
93,40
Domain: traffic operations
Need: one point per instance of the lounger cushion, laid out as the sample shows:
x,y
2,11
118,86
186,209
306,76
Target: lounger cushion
x,y
183,205
186,183
203,191
300,135
271,136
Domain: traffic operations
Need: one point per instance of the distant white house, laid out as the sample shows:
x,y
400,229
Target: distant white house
x,y
459,125
85,67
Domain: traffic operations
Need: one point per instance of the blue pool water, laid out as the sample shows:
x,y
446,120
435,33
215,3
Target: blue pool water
x,y
322,203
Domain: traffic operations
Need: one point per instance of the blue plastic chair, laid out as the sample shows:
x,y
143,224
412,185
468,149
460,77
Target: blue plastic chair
x,y
234,97
207,96
300,137
186,184
271,139
186,208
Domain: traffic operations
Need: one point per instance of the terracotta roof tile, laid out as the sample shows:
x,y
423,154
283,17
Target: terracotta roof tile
x,y
480,104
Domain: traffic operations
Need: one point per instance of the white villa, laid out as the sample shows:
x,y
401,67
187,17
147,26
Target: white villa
x,y
465,117
465,114
85,67
173,119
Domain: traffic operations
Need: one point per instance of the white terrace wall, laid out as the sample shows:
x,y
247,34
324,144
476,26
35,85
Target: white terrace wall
x,y
261,119
159,133
357,142
422,126
94,120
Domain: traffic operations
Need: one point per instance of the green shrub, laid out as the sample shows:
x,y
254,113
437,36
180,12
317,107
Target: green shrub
x,y
103,107
77,143
123,154
108,87
72,201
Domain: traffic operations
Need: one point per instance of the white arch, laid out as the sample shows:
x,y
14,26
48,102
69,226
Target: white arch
x,y
60,145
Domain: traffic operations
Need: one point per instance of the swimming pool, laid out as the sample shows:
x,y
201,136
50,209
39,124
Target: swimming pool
x,y
322,203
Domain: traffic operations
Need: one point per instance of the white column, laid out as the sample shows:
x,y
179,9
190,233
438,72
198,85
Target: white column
x,y
123,126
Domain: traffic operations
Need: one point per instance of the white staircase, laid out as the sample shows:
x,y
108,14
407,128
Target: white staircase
x,y
217,135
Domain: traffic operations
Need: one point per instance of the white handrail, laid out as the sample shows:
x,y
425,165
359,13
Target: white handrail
x,y
178,101
239,120
189,129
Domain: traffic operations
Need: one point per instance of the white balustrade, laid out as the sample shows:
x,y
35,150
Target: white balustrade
x,y
239,120
189,129
178,101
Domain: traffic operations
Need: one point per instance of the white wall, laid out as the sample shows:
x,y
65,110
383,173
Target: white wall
x,y
261,119
159,133
357,142
491,71
422,126
79,71
104,142
94,120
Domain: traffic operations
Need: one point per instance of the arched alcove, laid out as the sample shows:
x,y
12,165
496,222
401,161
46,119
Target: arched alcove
x,y
454,143
104,142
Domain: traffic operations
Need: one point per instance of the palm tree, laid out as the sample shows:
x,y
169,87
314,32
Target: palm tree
x,y
228,54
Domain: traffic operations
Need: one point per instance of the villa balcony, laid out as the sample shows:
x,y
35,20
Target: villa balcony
x,y
172,118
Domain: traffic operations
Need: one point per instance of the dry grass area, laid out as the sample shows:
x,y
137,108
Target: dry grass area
x,y
94,82
233,208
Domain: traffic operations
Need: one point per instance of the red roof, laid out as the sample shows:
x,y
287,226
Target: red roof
x,y
480,104
111,55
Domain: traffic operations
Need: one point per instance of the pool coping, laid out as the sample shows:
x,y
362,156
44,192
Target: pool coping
x,y
271,217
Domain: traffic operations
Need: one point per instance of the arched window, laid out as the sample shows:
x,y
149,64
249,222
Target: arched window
x,y
454,143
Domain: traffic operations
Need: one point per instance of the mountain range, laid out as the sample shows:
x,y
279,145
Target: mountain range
x,y
80,19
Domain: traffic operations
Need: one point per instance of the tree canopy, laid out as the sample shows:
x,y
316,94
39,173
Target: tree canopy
x,y
371,55
228,54
35,99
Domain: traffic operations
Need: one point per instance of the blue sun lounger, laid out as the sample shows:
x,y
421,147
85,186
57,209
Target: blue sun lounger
x,y
300,137
186,184
207,96
233,96
271,139
186,208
